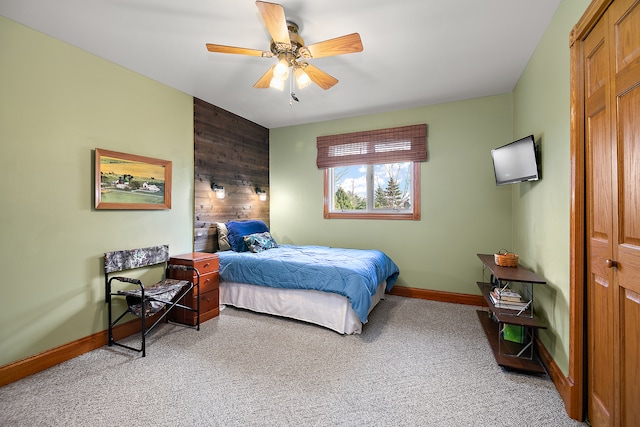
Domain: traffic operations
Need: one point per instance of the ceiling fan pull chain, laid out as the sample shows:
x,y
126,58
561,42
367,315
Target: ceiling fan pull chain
x,y
291,94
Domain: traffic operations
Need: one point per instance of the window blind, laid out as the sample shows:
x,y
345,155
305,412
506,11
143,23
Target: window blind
x,y
392,145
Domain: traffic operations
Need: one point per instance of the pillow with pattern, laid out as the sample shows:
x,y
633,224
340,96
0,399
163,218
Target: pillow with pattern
x,y
259,242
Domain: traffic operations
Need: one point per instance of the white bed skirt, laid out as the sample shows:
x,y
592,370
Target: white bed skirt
x,y
326,309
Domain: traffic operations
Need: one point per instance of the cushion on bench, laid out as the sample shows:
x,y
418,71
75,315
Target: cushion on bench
x,y
160,294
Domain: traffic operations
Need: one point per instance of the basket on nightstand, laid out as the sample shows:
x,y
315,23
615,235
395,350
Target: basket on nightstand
x,y
506,259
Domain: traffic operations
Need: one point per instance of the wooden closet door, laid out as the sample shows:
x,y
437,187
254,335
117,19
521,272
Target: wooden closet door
x,y
625,41
612,109
600,190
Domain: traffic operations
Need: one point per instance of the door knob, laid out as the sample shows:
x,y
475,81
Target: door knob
x,y
610,263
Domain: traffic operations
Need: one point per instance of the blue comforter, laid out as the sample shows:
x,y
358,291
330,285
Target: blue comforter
x,y
353,273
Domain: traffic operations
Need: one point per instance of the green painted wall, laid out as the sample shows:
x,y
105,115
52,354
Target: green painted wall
x,y
463,212
58,104
541,209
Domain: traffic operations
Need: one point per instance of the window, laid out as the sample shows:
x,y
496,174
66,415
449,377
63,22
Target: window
x,y
373,191
373,174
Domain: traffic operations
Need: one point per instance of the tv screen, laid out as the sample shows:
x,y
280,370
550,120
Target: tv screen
x,y
516,162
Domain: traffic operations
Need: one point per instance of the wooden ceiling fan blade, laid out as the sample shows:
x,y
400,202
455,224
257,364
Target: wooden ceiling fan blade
x,y
265,80
319,77
350,43
219,48
275,20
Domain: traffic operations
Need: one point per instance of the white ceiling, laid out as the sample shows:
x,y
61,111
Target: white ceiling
x,y
416,52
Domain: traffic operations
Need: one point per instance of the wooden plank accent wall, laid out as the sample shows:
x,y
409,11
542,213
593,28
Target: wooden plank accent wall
x,y
232,152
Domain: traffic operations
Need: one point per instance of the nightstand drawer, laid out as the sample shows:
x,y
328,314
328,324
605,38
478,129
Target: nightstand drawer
x,y
209,282
209,308
205,266
209,301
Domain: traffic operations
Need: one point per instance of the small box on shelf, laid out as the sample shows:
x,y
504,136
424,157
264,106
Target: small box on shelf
x,y
513,333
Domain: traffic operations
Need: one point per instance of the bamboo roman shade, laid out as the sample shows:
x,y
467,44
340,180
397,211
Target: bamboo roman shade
x,y
393,145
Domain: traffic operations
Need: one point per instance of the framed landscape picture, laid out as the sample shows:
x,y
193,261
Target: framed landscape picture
x,y
127,181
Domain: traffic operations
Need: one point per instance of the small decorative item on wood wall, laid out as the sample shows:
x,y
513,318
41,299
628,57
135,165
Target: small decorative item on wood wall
x,y
127,181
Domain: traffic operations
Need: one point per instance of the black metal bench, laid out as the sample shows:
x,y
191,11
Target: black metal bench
x,y
146,301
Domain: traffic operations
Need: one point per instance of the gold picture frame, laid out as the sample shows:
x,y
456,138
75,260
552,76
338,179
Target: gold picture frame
x,y
128,181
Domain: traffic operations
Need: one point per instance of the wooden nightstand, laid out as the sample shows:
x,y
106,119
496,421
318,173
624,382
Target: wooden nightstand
x,y
207,265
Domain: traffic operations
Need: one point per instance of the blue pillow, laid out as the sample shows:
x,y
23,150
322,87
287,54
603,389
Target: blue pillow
x,y
238,229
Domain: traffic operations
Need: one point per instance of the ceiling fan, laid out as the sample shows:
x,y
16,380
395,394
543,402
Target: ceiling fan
x,y
292,53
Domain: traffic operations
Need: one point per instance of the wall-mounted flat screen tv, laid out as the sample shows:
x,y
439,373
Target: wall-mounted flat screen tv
x,y
516,162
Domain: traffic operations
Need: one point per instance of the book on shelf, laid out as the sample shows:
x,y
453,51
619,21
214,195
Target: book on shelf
x,y
510,305
505,294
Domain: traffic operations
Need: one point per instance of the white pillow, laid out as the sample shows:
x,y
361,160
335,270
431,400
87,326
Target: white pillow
x,y
223,238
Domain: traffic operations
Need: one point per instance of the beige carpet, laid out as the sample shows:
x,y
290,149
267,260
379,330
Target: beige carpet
x,y
417,363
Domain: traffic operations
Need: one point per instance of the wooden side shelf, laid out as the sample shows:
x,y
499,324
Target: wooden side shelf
x,y
517,274
509,354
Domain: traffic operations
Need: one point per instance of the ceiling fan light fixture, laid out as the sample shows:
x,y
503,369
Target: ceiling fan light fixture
x,y
276,83
302,78
292,52
281,70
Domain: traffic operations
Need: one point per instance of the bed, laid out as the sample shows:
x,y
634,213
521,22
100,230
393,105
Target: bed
x,y
332,287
